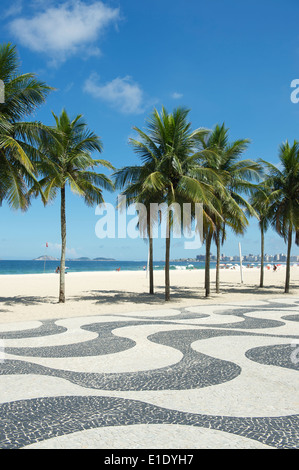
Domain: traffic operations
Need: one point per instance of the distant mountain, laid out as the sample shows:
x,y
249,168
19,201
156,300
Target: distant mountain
x,y
95,259
50,258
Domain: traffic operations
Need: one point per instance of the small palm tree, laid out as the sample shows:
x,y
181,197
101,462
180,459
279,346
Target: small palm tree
x,y
67,161
260,201
131,178
18,153
237,176
284,207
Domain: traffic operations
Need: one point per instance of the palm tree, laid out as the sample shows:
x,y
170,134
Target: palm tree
x,y
284,207
209,229
131,178
237,176
233,217
23,94
67,161
170,151
260,201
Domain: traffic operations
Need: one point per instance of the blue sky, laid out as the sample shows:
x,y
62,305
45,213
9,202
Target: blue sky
x,y
114,61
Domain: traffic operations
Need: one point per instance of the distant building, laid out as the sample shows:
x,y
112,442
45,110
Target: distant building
x,y
251,258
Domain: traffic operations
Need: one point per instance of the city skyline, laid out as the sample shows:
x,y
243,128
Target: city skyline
x,y
223,257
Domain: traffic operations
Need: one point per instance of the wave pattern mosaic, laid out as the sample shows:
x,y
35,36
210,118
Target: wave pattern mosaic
x,y
201,377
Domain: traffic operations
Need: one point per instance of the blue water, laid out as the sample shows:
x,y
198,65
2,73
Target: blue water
x,y
38,267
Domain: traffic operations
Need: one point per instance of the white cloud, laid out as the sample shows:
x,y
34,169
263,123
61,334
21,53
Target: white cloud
x,y
121,93
176,96
15,9
68,87
63,30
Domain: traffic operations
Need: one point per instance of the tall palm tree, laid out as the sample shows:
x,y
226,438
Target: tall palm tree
x,y
237,176
23,94
260,200
284,207
172,151
67,161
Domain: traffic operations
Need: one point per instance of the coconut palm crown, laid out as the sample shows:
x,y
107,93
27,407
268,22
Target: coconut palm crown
x,y
23,94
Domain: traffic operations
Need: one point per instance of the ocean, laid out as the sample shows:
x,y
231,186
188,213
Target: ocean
x,y
39,267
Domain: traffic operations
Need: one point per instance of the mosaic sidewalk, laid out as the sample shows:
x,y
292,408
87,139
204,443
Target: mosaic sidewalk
x,y
207,377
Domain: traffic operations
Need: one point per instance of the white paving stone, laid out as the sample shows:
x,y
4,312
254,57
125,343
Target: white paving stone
x,y
149,437
6,327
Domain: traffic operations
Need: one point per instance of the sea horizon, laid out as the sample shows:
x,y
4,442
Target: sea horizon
x,y
49,266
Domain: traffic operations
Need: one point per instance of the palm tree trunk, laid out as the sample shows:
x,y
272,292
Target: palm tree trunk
x,y
151,255
151,266
218,261
207,263
63,248
262,256
287,283
167,258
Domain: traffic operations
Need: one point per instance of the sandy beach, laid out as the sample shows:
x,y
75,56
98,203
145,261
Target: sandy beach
x,y
35,296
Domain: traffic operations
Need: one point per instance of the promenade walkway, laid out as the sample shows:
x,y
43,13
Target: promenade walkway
x,y
197,378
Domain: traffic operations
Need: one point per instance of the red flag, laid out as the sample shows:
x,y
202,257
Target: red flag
x,y
47,245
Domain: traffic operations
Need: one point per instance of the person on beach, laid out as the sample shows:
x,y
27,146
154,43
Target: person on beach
x,y
57,269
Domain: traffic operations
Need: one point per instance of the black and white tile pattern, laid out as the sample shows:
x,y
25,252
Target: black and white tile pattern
x,y
226,371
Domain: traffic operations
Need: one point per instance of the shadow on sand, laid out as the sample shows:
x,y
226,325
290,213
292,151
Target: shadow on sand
x,y
26,301
177,294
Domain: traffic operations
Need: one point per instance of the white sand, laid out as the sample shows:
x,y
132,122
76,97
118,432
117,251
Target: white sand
x,y
35,296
